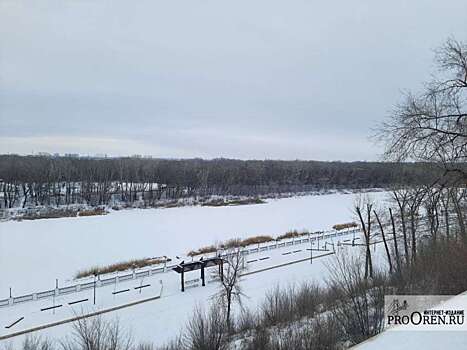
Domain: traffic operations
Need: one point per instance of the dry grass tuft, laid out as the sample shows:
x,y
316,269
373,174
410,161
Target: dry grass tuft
x,y
203,250
53,213
226,202
256,240
339,227
93,212
120,266
293,234
231,243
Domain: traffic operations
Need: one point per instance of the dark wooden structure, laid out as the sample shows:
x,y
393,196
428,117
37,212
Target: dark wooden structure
x,y
199,265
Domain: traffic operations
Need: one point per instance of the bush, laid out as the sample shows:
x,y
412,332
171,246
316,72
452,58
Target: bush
x,y
98,334
283,305
359,302
320,333
206,330
31,342
440,268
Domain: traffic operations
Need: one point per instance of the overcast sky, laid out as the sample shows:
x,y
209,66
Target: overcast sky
x,y
242,79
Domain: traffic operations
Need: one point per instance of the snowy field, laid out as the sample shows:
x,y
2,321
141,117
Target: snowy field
x,y
35,253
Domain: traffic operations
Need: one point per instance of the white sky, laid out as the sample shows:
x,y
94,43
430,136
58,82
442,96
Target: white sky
x,y
244,79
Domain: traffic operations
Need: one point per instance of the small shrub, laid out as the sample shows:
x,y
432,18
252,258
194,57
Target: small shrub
x,y
206,330
97,333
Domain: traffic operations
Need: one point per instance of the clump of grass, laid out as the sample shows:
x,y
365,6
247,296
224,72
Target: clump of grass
x,y
246,201
293,234
226,202
203,250
256,240
48,214
214,203
170,204
238,242
231,243
339,227
120,266
51,213
92,212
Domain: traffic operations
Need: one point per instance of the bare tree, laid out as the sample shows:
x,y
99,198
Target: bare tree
x,y
230,290
432,126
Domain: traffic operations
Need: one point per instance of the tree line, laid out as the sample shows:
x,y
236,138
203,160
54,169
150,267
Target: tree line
x,y
47,180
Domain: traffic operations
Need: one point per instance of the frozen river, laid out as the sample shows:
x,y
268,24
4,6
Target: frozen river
x,y
34,253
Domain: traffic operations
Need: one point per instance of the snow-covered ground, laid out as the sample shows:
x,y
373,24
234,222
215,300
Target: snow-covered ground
x,y
161,319
33,254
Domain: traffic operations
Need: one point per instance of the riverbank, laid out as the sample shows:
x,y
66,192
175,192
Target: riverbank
x,y
81,210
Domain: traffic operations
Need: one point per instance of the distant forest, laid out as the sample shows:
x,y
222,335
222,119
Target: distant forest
x,y
49,180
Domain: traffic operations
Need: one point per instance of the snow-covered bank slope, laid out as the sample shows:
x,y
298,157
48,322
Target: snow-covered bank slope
x,y
34,253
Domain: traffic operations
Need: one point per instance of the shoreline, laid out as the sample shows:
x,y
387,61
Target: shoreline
x,y
84,210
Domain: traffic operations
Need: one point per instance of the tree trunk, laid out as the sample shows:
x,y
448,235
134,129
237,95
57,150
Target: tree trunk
x,y
384,241
396,249
368,266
